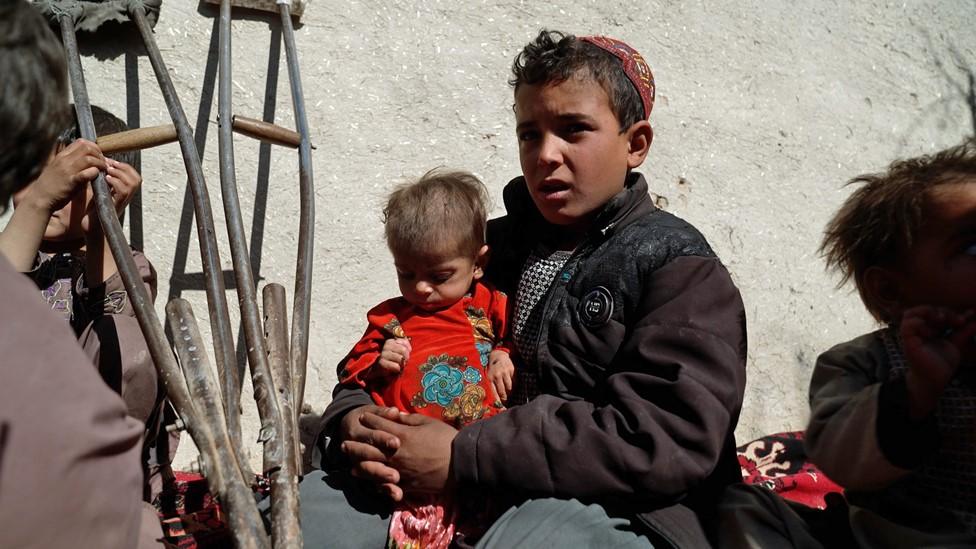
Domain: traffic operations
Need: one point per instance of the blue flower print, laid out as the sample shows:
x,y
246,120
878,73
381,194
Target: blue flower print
x,y
484,349
472,375
442,384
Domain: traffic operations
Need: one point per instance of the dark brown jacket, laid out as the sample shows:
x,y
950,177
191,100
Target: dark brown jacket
x,y
641,365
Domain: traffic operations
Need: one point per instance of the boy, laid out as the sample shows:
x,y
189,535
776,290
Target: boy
x,y
64,251
893,412
69,455
631,331
436,350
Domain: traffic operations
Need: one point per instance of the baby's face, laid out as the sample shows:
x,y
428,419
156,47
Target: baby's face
x,y
941,267
436,281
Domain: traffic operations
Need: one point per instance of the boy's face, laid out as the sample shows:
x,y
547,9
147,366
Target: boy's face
x,y
437,281
573,155
68,223
941,266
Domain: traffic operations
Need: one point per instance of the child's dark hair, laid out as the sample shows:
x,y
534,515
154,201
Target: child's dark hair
x,y
33,95
879,222
554,57
443,212
106,123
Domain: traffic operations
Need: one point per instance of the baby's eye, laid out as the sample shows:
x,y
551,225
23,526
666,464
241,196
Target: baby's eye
x,y
440,278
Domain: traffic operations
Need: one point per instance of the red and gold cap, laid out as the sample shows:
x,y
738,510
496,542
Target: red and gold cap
x,y
635,67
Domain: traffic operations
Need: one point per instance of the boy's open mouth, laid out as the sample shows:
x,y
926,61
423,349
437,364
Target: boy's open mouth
x,y
553,188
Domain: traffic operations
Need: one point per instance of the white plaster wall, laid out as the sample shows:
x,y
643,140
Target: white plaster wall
x,y
764,109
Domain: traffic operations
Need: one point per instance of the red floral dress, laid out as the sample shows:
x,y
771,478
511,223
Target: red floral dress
x,y
445,377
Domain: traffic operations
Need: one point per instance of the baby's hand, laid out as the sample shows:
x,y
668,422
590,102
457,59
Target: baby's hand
x,y
71,168
500,372
393,356
935,340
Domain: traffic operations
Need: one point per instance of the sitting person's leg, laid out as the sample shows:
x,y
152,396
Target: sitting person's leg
x,y
554,522
339,511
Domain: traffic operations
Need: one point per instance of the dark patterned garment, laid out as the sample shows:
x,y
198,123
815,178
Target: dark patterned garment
x,y
541,268
947,479
61,279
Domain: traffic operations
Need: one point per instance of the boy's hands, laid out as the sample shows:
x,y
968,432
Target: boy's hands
x,y
123,181
392,358
501,370
936,340
369,449
76,165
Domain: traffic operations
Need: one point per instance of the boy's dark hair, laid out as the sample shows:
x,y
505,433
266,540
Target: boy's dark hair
x,y
106,123
879,222
554,57
33,95
443,212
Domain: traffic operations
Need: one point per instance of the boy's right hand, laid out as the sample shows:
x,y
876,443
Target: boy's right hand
x,y
393,357
76,165
935,340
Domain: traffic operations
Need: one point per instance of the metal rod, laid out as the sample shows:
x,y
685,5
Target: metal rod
x,y
257,354
159,349
230,371
220,461
285,526
169,372
306,223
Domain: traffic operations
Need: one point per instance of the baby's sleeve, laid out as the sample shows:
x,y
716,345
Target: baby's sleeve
x,y
498,314
382,324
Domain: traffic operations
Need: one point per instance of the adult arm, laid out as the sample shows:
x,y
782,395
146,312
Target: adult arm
x,y
661,418
68,451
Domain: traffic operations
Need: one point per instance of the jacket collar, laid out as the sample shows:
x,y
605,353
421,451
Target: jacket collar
x,y
632,200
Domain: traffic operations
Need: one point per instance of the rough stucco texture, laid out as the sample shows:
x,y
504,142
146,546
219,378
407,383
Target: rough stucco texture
x,y
764,110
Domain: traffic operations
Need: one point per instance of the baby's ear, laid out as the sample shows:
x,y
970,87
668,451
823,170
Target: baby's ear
x,y
883,292
481,260
639,137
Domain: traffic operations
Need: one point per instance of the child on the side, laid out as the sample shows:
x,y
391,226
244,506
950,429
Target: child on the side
x,y
437,349
893,412
62,248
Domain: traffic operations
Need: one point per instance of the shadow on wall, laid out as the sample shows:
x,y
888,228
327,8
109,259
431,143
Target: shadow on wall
x,y
960,85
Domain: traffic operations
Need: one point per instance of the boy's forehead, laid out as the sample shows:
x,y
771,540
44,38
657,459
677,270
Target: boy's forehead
x,y
579,94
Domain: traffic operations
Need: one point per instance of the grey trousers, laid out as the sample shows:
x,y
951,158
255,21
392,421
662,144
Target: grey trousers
x,y
340,512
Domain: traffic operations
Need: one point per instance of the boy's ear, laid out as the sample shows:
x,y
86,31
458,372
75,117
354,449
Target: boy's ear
x,y
480,260
883,291
639,136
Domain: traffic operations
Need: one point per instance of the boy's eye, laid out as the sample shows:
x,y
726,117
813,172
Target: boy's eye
x,y
969,249
403,275
528,135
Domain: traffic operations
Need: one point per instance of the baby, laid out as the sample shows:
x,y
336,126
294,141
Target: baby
x,y
438,349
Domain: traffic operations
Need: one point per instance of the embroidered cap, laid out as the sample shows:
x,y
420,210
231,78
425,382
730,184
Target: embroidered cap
x,y
634,65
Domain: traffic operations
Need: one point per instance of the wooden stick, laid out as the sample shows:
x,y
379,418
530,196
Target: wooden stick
x,y
266,131
285,526
137,139
220,461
